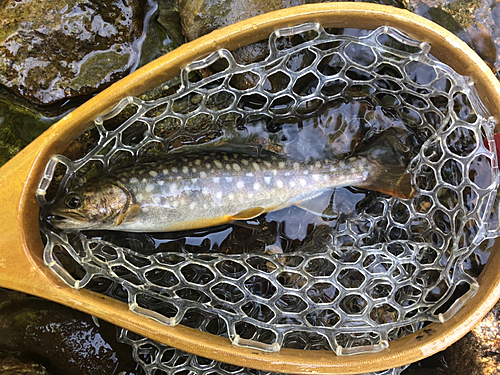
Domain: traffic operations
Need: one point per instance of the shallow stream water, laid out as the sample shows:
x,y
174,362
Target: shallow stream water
x,y
298,138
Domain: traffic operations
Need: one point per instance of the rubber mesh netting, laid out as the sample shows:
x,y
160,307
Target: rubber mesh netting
x,y
374,269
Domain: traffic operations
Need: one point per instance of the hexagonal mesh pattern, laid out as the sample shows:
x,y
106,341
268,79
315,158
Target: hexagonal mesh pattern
x,y
373,268
158,359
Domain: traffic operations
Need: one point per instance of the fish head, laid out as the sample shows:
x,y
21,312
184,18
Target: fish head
x,y
91,206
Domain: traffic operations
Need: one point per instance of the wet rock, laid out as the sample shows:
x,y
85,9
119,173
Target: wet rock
x,y
478,352
15,365
65,341
200,17
19,125
164,31
52,50
473,21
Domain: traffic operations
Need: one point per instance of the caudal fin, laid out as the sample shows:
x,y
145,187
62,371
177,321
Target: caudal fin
x,y
392,177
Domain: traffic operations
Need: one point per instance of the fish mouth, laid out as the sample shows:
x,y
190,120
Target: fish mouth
x,y
69,222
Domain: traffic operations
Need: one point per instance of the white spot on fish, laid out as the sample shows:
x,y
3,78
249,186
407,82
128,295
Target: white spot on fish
x,y
185,170
228,179
256,186
240,184
175,204
144,181
206,157
161,183
302,182
228,167
315,177
153,173
244,161
156,200
193,170
225,157
139,197
208,166
149,188
197,162
203,174
230,196
256,166
318,164
205,191
267,180
174,169
305,172
173,188
218,195
216,180
192,205
134,180
250,195
281,164
165,171
279,184
218,164
292,183
296,166
267,164
249,174
190,164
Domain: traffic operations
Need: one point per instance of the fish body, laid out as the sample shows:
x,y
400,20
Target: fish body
x,y
202,190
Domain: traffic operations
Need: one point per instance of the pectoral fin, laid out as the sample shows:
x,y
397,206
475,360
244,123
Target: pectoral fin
x,y
131,215
247,214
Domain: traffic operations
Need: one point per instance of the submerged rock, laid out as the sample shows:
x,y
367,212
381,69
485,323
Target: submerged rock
x,y
477,353
15,365
473,21
65,341
52,50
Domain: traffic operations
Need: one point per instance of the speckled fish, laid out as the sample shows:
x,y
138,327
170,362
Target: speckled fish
x,y
202,190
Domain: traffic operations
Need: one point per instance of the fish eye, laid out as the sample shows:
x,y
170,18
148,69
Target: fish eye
x,y
73,201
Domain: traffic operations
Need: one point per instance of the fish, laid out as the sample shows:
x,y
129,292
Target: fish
x,y
197,190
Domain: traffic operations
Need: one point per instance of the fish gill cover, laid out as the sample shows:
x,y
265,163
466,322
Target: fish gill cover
x,y
372,269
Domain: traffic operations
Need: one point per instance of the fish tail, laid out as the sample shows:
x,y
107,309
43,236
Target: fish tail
x,y
392,177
